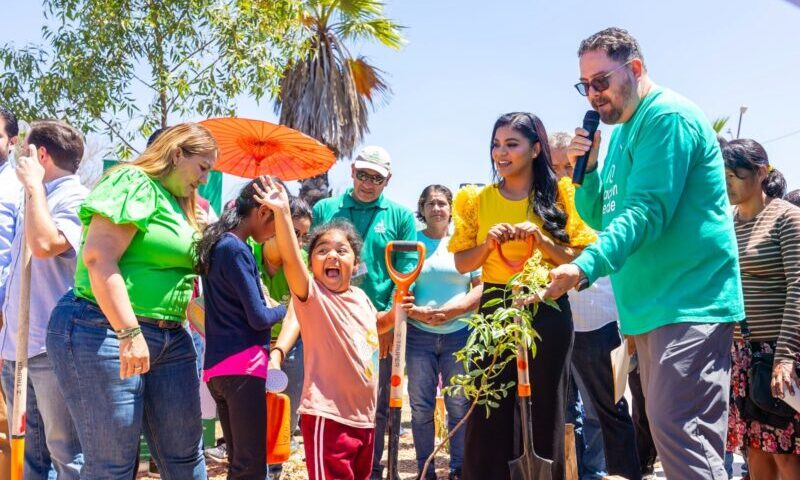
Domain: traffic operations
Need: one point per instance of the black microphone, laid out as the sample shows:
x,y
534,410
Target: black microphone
x,y
590,123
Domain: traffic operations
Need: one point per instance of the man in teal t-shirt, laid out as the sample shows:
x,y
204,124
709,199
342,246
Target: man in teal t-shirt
x,y
669,246
378,221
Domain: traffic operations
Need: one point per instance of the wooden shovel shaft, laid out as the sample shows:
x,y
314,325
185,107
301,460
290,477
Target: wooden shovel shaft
x,y
21,370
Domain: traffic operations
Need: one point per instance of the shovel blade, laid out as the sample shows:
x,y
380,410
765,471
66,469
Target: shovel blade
x,y
530,467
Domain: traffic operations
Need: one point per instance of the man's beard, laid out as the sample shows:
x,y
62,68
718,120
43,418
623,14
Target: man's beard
x,y
612,117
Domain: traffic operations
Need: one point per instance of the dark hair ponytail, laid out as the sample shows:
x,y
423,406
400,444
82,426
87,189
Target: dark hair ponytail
x,y
230,219
774,185
746,154
543,197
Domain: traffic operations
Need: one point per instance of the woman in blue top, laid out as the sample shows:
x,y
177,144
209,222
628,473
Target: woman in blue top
x,y
436,329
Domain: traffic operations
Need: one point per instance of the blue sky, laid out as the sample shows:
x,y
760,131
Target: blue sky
x,y
467,62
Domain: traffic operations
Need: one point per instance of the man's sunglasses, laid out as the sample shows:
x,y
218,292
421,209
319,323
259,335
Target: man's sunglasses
x,y
600,84
375,179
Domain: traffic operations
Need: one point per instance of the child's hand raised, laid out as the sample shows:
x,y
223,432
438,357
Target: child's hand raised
x,y
271,194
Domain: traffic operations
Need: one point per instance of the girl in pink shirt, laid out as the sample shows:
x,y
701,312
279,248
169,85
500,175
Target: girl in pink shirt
x,y
340,328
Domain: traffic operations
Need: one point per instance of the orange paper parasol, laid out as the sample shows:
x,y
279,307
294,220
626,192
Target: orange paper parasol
x,y
250,148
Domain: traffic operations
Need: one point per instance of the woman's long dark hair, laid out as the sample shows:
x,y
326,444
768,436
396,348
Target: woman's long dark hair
x,y
746,154
543,197
230,219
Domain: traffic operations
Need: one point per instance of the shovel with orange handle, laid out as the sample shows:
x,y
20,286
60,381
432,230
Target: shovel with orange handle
x,y
403,282
21,371
528,466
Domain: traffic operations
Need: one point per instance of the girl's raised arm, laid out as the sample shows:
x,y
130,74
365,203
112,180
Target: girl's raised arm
x,y
273,195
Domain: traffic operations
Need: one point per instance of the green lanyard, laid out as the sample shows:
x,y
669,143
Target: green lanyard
x,y
369,224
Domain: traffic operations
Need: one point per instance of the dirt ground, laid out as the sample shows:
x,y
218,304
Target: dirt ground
x,y
295,467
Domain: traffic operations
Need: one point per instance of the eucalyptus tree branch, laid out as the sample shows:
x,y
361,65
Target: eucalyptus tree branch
x,y
185,59
194,79
118,135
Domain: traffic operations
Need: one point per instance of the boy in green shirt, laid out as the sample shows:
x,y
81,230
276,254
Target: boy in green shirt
x,y
668,243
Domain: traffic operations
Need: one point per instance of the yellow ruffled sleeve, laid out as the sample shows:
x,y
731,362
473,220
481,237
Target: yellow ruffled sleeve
x,y
465,219
580,234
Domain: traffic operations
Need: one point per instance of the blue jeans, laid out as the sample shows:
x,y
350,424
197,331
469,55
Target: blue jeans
x,y
427,356
575,416
729,464
51,442
588,436
110,413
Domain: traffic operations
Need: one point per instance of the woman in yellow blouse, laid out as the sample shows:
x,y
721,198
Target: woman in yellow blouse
x,y
525,201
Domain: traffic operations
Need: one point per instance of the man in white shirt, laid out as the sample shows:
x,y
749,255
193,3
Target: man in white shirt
x,y
50,228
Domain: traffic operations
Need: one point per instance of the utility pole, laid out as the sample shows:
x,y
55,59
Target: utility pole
x,y
742,111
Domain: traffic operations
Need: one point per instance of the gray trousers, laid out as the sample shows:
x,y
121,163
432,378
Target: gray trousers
x,y
685,372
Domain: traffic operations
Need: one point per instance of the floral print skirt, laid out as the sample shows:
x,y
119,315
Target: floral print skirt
x,y
743,433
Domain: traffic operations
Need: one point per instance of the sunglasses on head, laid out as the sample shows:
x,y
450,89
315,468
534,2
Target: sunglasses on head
x,y
599,83
361,175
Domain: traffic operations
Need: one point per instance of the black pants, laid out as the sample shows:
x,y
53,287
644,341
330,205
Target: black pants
x,y
644,439
592,361
242,409
490,443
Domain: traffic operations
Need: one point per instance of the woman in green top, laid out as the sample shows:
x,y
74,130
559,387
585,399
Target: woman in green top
x,y
124,361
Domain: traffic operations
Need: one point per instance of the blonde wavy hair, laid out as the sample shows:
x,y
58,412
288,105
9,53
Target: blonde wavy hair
x,y
156,160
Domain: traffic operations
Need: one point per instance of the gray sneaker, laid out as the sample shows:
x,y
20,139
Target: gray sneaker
x,y
217,454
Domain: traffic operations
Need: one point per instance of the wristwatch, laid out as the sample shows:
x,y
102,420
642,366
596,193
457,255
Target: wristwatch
x,y
583,282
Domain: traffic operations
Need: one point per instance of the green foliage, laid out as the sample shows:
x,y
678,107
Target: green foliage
x,y
719,123
492,345
326,91
190,57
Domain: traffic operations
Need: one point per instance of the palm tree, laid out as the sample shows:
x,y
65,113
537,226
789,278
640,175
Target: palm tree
x,y
327,92
719,123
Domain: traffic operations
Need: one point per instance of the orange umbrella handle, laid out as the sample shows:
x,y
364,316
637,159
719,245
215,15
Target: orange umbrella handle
x,y
516,264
